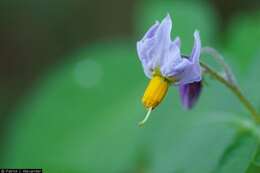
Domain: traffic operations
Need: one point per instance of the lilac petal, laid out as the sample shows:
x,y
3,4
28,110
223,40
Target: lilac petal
x,y
192,71
156,50
151,31
143,54
154,45
147,42
163,41
144,47
177,42
148,72
171,59
190,93
195,54
164,34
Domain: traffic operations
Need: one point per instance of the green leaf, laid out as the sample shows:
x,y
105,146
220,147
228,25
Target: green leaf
x,y
83,116
253,168
195,142
238,156
257,157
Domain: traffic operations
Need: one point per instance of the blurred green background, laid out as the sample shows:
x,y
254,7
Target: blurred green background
x,y
71,84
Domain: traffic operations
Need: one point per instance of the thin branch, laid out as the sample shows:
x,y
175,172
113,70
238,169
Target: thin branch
x,y
220,59
235,90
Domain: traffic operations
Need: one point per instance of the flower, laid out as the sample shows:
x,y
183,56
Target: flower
x,y
163,63
160,55
190,93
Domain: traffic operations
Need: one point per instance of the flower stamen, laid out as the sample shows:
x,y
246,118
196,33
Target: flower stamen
x,y
154,94
155,91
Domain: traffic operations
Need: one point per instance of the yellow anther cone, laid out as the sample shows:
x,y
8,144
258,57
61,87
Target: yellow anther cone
x,y
154,94
155,91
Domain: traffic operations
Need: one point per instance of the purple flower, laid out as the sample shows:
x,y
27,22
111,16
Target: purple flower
x,y
190,93
161,56
164,65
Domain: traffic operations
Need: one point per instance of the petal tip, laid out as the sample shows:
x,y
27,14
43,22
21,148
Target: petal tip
x,y
196,33
167,18
177,41
195,54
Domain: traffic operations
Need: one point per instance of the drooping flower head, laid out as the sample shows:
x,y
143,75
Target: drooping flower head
x,y
163,63
157,51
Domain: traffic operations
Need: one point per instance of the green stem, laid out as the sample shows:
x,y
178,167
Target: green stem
x,y
235,89
220,60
